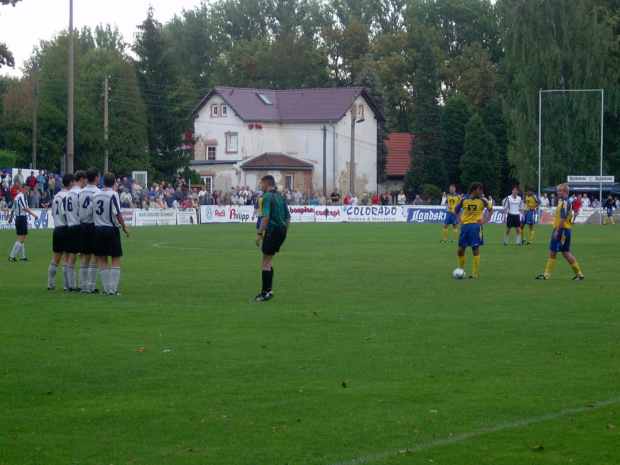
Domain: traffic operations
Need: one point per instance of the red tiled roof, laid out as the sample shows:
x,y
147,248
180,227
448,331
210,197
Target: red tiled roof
x,y
276,161
292,105
399,145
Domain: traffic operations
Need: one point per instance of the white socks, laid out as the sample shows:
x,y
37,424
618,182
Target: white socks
x,y
92,277
518,239
84,283
23,250
16,249
51,276
66,280
115,277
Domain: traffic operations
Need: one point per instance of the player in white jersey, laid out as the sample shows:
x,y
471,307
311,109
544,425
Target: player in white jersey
x,y
108,248
74,229
514,208
20,212
88,263
59,238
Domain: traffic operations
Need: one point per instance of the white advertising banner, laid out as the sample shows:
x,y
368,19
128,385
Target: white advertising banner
x,y
302,213
188,216
44,220
128,216
164,217
227,214
329,215
374,214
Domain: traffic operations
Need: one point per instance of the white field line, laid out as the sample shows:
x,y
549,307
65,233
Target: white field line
x,y
367,459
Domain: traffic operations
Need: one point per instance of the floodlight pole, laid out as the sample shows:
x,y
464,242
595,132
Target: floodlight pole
x,y
540,91
602,142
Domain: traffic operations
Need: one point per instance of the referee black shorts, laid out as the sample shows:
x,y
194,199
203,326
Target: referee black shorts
x,y
513,221
88,238
59,239
108,242
274,238
21,225
74,239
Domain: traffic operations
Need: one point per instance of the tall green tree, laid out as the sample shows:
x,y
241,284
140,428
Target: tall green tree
x,y
479,162
454,119
427,165
168,112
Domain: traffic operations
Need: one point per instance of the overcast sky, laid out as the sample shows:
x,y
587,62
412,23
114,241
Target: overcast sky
x,y
23,26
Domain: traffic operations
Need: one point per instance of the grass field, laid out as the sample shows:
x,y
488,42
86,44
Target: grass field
x,y
370,353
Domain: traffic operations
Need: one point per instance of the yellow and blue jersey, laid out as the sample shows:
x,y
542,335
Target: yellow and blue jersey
x,y
452,201
531,202
258,209
564,213
472,209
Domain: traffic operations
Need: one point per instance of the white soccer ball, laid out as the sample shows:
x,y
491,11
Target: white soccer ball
x,y
459,273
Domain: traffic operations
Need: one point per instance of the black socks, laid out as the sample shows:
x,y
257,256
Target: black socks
x,y
267,280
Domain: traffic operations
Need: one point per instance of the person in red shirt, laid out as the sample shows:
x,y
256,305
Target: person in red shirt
x,y
347,199
376,200
31,181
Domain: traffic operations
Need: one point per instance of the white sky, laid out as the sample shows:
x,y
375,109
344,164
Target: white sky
x,y
23,26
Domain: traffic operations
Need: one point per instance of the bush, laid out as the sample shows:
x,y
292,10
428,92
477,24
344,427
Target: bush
x,y
431,193
8,159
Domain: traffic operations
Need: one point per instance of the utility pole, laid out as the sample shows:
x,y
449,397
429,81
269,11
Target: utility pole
x,y
106,124
35,118
352,159
324,161
71,97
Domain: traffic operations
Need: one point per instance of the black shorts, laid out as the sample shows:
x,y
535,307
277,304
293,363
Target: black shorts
x,y
21,225
108,242
274,238
59,239
513,221
88,239
73,240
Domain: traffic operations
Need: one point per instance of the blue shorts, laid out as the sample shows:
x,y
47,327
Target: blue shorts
x,y
451,218
529,218
562,243
471,236
610,212
258,222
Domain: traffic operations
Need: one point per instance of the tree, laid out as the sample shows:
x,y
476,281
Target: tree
x,y
6,57
168,99
454,119
427,166
479,162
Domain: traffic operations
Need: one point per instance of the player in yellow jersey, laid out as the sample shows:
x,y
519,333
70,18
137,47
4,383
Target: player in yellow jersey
x,y
529,219
472,215
258,210
452,201
561,237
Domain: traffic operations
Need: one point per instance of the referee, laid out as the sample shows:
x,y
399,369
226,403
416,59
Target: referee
x,y
271,232
20,213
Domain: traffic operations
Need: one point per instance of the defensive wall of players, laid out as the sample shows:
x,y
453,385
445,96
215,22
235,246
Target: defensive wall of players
x,y
299,214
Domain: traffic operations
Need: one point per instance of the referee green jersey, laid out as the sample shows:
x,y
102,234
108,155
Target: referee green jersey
x,y
274,207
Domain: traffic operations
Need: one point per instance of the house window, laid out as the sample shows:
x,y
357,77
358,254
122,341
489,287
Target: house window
x,y
232,142
289,182
208,183
215,111
211,152
360,112
224,111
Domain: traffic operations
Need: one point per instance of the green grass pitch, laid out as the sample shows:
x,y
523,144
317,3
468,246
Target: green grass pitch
x,y
370,353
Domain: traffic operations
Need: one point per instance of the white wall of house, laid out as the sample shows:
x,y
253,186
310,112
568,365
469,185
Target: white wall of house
x,y
302,141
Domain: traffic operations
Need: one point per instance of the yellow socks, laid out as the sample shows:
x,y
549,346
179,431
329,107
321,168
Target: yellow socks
x,y
456,233
444,234
549,267
462,262
576,268
475,270
532,235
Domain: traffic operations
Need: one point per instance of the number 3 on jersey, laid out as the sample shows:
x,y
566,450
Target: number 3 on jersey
x,y
99,207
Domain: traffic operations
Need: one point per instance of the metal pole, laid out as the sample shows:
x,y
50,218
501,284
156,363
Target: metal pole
x,y
70,101
106,125
35,111
539,141
352,159
324,161
334,156
602,148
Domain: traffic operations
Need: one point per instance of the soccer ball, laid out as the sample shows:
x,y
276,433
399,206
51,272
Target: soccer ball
x,y
459,273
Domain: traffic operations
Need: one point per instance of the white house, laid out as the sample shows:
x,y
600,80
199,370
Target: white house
x,y
303,137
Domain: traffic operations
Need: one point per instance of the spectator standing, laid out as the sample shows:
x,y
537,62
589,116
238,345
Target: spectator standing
x,y
376,200
335,198
18,178
402,198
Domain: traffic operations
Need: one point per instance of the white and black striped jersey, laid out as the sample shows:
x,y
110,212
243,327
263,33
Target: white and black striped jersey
x,y
72,206
20,204
107,206
58,209
86,200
